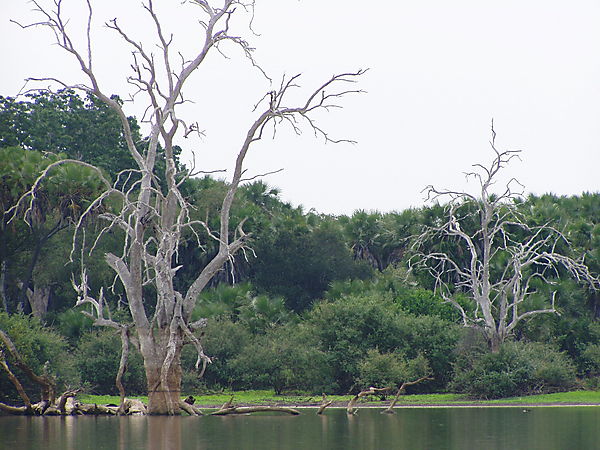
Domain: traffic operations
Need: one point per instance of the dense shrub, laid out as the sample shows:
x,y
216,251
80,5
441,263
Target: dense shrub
x,y
285,359
352,325
97,359
72,324
42,349
518,368
223,340
590,360
390,369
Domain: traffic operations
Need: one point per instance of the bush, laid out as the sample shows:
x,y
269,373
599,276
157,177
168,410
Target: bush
x,y
590,360
284,359
223,340
97,359
43,350
383,370
351,326
72,324
518,368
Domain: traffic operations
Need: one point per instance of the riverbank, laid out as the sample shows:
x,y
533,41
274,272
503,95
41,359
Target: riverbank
x,y
255,398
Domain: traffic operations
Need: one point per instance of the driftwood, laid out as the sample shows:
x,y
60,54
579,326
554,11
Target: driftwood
x,y
229,408
350,409
390,409
189,408
252,409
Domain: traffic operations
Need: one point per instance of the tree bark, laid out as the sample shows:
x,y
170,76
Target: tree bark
x,y
163,399
38,300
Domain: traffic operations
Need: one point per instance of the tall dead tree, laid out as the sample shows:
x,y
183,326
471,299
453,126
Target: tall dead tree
x,y
152,218
501,255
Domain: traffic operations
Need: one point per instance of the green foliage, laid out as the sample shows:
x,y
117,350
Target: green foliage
x,y
63,122
223,300
402,289
72,324
383,370
590,359
41,348
97,358
223,340
238,303
518,368
299,262
61,198
352,325
286,358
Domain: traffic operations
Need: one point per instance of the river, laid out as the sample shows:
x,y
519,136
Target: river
x,y
512,428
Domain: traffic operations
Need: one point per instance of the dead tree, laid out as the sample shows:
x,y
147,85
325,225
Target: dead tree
x,y
402,390
152,218
504,254
324,404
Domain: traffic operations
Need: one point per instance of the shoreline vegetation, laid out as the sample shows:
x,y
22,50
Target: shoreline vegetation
x,y
268,398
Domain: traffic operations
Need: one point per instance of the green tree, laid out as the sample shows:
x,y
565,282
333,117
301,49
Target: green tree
x,y
298,262
27,228
63,122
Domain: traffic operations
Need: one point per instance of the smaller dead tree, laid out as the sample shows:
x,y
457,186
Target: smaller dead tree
x,y
324,404
402,390
496,256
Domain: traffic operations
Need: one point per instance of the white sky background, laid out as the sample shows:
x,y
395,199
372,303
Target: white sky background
x,y
439,72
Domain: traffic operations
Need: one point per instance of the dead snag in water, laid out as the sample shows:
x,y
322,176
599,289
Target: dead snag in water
x,y
390,409
324,404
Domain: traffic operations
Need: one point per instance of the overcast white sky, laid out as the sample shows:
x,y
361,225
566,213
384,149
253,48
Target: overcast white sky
x,y
439,72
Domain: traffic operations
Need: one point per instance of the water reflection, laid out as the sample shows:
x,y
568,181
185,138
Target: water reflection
x,y
432,428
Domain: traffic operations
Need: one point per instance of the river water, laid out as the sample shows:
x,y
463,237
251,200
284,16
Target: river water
x,y
561,428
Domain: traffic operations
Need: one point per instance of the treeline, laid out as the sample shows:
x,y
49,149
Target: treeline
x,y
317,303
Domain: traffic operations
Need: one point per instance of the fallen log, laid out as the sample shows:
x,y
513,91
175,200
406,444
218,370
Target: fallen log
x,y
251,409
189,408
350,409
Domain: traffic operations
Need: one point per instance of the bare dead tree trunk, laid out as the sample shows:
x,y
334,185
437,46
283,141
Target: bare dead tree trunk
x,y
122,367
153,220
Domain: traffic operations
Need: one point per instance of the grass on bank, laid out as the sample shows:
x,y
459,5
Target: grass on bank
x,y
267,397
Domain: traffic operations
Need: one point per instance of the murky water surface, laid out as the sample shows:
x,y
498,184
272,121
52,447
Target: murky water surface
x,y
431,428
